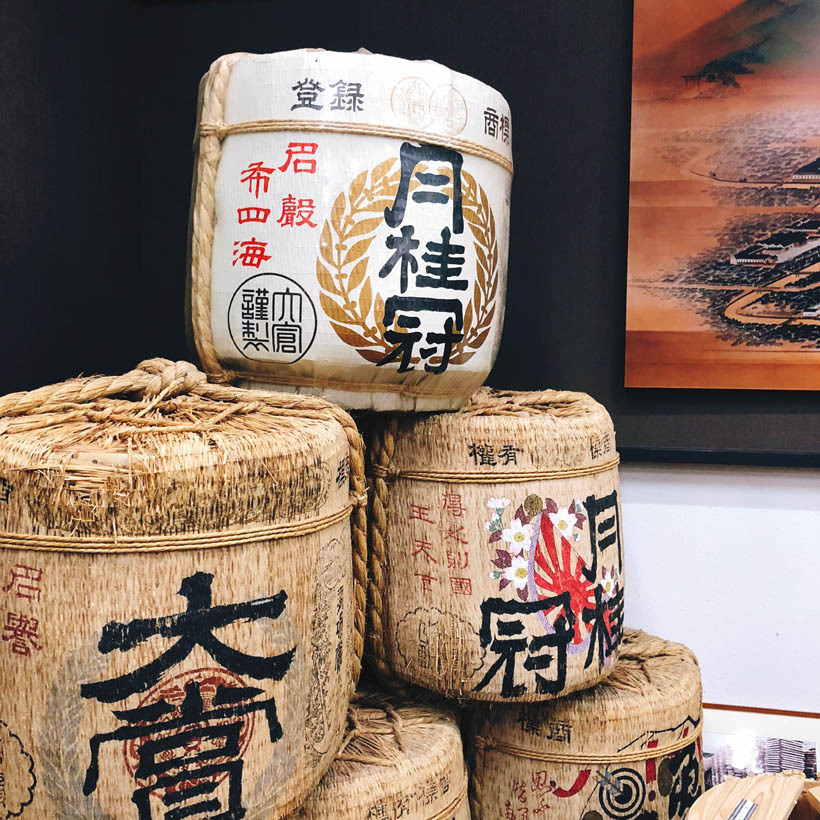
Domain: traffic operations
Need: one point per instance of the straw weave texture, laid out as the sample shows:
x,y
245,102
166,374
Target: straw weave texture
x,y
503,515
623,749
399,759
120,498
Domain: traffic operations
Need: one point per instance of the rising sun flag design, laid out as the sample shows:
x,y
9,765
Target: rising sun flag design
x,y
557,568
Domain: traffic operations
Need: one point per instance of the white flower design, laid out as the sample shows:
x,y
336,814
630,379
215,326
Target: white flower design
x,y
609,582
517,535
517,572
564,521
498,504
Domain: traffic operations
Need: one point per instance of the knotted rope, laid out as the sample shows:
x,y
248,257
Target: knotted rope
x,y
156,382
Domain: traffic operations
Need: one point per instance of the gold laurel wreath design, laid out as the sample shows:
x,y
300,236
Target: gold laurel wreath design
x,y
346,295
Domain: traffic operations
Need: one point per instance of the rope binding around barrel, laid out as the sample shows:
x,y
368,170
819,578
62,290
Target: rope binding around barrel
x,y
129,398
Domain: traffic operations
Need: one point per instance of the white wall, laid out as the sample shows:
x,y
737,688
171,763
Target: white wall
x,y
727,561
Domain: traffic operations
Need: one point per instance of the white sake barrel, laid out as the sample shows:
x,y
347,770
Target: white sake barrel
x,y
350,227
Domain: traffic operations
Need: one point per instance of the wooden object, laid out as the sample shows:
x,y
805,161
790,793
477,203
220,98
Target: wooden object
x,y
496,551
627,749
762,797
399,760
350,227
182,611
813,798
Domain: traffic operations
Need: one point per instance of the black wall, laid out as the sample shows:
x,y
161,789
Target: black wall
x,y
97,104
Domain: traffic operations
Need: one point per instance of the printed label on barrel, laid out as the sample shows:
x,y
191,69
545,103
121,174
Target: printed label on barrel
x,y
374,252
170,691
185,741
658,787
524,597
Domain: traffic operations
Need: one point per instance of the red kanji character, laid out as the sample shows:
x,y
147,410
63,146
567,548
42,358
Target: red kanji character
x,y
304,211
418,512
455,535
296,213
452,503
426,581
21,573
251,253
423,547
461,586
457,560
519,789
300,166
252,215
21,631
256,175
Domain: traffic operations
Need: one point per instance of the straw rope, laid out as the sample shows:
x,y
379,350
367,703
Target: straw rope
x,y
171,543
159,380
557,403
204,215
392,473
382,448
482,743
220,130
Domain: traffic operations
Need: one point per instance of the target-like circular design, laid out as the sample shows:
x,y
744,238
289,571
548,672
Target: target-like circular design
x,y
622,794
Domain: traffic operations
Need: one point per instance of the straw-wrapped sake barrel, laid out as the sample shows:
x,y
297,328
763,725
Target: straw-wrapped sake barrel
x,y
628,749
350,227
398,760
496,554
182,613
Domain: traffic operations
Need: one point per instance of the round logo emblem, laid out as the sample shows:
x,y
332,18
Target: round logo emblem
x,y
200,740
271,318
356,286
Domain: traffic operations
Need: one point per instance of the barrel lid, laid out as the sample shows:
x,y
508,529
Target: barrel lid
x,y
395,754
424,97
649,704
502,432
160,450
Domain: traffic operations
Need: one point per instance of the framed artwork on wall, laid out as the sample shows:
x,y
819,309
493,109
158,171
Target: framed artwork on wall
x,y
724,230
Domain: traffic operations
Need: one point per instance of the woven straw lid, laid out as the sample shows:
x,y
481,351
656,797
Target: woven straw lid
x,y
561,424
655,685
406,757
160,450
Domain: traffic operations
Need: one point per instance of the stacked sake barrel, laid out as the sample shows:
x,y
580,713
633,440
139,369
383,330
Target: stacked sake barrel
x,y
497,574
187,560
186,603
349,239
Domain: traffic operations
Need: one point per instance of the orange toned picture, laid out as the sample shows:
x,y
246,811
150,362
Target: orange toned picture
x,y
724,217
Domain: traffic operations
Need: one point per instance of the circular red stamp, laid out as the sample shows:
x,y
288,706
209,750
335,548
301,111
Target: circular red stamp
x,y
199,739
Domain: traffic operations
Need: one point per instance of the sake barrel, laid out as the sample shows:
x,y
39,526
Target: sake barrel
x,y
627,749
399,760
496,552
182,614
349,227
